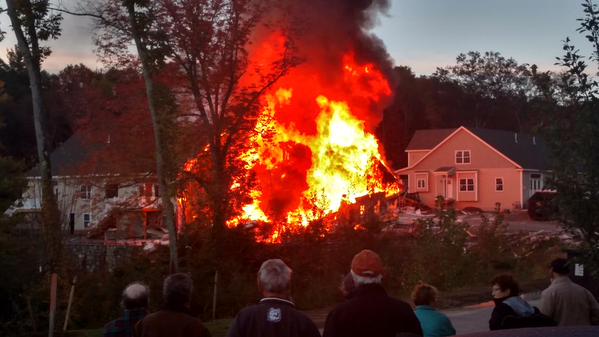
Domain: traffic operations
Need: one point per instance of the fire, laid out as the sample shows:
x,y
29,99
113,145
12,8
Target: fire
x,y
311,158
313,148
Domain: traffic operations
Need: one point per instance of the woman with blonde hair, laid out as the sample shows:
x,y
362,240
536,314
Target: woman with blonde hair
x,y
433,322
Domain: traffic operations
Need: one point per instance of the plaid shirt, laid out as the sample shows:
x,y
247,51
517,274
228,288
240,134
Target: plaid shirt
x,y
124,326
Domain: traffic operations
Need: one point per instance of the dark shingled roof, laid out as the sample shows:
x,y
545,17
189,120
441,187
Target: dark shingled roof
x,y
103,152
427,139
528,151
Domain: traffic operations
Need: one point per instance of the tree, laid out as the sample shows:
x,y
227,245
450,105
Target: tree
x,y
208,42
496,85
120,23
200,48
573,138
32,23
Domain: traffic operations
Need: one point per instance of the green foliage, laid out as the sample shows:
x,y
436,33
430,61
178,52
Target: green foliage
x,y
573,138
439,251
12,182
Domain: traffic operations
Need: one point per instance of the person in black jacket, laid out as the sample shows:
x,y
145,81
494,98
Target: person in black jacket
x,y
275,315
369,311
511,311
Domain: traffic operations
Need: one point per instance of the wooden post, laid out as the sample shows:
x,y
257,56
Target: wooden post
x,y
71,293
53,285
214,295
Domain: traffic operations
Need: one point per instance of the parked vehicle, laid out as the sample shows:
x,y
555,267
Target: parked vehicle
x,y
542,206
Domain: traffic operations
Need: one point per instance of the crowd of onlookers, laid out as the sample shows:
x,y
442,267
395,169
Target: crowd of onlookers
x,y
366,311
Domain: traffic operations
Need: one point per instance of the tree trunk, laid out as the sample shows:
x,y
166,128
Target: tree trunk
x,y
50,212
165,192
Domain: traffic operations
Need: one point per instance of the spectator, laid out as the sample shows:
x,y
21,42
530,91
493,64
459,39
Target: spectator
x,y
134,301
275,315
567,302
174,320
433,322
370,311
511,311
347,286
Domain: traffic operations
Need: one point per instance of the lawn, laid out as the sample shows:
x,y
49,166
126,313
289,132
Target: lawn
x,y
217,328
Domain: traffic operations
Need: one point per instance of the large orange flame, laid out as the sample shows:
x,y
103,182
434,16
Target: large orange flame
x,y
313,148
304,172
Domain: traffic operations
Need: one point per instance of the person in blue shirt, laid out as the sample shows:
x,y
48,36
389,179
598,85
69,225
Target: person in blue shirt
x,y
433,322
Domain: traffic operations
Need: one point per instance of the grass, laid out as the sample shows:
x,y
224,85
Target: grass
x,y
217,328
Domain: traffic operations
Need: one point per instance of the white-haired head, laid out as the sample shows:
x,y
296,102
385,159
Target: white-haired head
x,y
274,276
361,280
135,296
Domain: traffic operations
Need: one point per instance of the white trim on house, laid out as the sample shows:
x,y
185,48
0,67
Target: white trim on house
x,y
422,176
462,152
521,188
492,148
449,137
476,182
502,184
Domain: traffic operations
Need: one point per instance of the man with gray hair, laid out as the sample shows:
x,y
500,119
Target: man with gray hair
x,y
174,320
134,301
275,315
369,311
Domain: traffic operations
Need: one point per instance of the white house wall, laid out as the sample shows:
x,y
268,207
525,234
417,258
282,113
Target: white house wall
x,y
71,201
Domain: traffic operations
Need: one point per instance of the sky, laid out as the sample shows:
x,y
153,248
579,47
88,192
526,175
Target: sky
x,y
421,34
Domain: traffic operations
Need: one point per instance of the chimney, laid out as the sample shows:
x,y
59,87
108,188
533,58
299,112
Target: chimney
x,y
516,137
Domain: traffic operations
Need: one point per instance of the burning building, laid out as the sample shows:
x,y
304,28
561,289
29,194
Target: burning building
x,y
313,147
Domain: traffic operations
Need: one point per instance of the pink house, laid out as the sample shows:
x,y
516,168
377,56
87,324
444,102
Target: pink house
x,y
475,167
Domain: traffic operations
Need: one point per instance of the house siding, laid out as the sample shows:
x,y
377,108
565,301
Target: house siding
x,y
485,166
70,200
414,156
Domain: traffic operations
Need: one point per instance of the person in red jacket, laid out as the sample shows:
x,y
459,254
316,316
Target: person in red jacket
x,y
370,311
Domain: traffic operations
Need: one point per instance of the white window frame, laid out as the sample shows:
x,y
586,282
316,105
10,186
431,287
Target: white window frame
x,y
86,191
462,157
87,222
538,180
467,184
502,184
460,175
422,176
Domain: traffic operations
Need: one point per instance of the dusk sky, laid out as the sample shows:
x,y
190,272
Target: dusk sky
x,y
421,34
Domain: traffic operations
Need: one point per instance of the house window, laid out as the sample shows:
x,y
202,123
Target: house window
x,y
462,157
111,190
86,220
421,181
467,185
499,184
86,191
146,190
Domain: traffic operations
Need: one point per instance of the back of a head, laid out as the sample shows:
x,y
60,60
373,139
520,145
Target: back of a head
x,y
177,290
367,268
274,276
424,294
135,296
507,282
560,266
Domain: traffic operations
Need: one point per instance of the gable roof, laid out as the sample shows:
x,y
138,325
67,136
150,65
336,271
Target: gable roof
x,y
101,152
530,152
427,139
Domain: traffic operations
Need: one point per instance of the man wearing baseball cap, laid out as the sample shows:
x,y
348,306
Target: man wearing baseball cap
x,y
370,311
